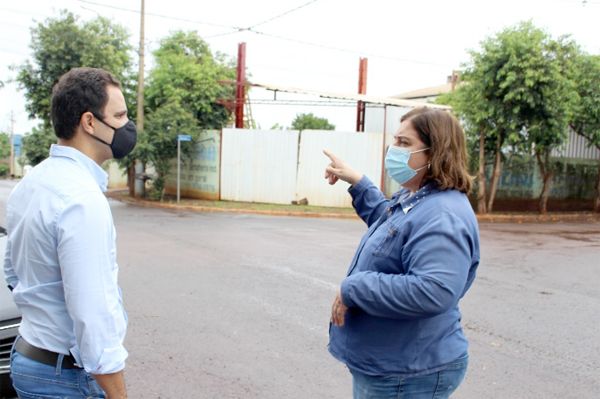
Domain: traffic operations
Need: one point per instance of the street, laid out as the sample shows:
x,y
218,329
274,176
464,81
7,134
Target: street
x,y
237,306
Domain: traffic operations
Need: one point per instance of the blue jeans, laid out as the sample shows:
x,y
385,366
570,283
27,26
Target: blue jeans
x,y
35,380
431,386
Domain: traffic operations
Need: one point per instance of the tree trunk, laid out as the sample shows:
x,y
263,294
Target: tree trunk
x,y
481,205
495,175
131,180
597,201
547,175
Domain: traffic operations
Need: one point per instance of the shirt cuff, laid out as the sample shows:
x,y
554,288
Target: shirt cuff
x,y
346,291
361,186
112,360
12,282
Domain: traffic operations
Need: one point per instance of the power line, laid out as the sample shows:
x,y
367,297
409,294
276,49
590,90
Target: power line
x,y
230,32
236,29
346,50
158,15
283,14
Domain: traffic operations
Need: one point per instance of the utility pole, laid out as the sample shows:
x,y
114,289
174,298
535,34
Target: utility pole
x,y
454,78
362,89
240,88
12,147
137,189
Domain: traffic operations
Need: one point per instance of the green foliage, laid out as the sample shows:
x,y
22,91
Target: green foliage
x,y
4,145
186,92
309,121
36,145
4,154
158,144
187,73
277,126
58,45
554,96
586,113
518,90
62,43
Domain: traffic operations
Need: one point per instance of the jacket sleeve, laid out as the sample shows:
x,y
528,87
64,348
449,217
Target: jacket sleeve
x,y
87,258
439,257
368,201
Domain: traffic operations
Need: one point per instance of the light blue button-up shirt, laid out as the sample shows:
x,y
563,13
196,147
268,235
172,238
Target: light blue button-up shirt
x,y
61,260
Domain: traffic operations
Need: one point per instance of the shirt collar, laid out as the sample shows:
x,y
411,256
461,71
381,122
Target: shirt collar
x,y
407,200
86,162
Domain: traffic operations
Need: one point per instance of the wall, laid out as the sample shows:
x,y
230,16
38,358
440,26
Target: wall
x,y
259,165
200,175
283,166
361,150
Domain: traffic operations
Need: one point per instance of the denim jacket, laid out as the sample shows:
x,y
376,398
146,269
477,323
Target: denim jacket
x,y
416,260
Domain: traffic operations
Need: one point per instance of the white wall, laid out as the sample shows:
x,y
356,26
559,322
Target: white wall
x,y
117,177
259,165
363,151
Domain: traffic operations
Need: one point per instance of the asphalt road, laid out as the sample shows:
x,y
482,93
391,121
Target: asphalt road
x,y
237,306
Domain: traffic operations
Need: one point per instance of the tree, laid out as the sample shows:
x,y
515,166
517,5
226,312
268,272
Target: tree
x,y
187,91
478,124
516,95
4,154
4,145
158,145
59,44
188,73
586,114
553,98
37,143
309,121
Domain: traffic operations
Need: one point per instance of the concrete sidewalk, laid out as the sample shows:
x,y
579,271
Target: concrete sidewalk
x,y
337,213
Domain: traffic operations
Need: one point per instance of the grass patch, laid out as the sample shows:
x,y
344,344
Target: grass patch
x,y
260,206
252,206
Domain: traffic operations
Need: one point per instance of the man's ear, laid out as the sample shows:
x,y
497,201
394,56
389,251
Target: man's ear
x,y
87,122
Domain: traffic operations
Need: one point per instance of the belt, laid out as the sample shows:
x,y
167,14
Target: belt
x,y
43,355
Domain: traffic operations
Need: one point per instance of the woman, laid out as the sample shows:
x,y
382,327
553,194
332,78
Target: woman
x,y
395,321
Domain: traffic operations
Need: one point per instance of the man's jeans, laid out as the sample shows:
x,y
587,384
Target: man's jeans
x,y
35,380
431,386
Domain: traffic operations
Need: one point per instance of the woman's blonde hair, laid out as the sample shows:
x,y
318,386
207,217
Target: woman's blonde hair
x,y
441,132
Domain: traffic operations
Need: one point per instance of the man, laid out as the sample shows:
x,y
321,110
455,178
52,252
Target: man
x,y
60,259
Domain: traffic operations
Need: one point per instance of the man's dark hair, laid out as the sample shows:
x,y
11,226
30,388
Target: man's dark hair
x,y
77,91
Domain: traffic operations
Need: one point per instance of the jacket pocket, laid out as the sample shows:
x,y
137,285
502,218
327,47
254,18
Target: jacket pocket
x,y
388,243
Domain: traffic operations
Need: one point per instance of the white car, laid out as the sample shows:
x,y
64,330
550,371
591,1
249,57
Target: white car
x,y
10,319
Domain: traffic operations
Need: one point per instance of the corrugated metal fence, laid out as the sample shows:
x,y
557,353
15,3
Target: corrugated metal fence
x,y
259,165
363,151
284,166
281,166
577,147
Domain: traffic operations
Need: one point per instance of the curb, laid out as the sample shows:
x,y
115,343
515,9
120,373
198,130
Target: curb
x,y
210,209
575,217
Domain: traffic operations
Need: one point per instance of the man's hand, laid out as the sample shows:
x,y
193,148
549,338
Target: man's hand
x,y
112,384
338,310
339,169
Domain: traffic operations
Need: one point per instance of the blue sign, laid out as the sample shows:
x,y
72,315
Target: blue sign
x,y
184,137
17,145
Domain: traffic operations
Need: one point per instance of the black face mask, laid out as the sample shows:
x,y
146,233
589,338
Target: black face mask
x,y
124,138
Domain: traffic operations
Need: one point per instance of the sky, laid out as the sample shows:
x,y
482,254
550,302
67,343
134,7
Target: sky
x,y
309,44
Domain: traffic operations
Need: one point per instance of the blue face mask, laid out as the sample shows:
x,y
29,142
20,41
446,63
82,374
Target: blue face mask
x,y
396,164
